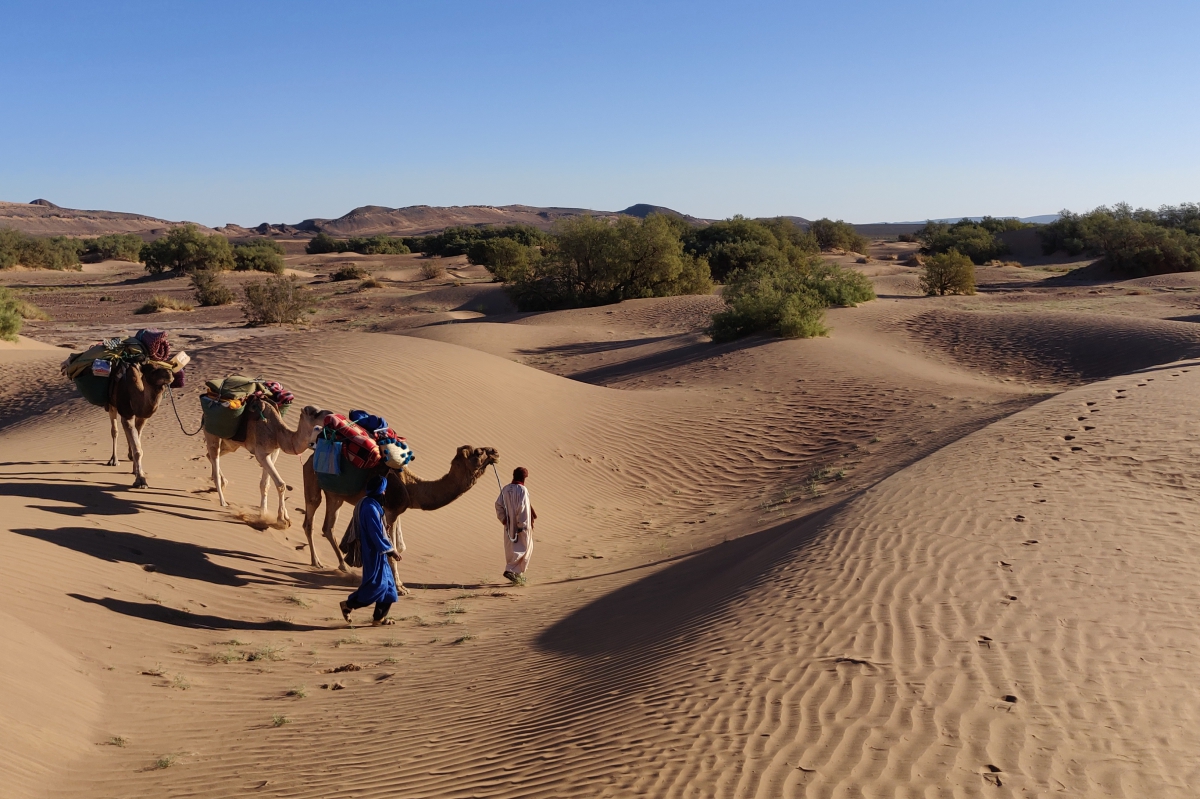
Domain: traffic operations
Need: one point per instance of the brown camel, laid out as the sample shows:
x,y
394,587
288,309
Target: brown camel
x,y
266,435
404,491
134,392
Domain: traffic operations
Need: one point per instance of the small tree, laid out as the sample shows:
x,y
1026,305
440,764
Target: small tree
x,y
11,317
839,234
771,296
262,255
507,259
277,300
211,289
115,247
948,273
186,249
323,243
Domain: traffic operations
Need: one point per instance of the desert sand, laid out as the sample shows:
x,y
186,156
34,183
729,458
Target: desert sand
x,y
948,550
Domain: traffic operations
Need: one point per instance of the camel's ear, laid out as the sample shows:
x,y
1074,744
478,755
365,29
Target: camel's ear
x,y
465,451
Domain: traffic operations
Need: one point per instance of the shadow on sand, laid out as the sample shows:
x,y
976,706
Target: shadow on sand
x,y
196,621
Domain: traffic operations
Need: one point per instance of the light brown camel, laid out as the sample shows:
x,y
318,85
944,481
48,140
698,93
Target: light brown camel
x,y
404,491
266,435
133,395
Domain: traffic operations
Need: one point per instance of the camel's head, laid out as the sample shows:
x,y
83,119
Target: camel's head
x,y
156,377
476,459
312,419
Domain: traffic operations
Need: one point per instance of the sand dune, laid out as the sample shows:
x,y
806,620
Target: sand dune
x,y
891,562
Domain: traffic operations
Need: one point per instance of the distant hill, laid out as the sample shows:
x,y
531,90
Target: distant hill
x,y
44,218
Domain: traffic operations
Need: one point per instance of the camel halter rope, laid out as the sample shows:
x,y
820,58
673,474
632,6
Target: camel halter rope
x,y
181,427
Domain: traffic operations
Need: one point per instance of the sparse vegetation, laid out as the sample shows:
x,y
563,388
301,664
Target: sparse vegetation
x,y
186,249
161,302
211,289
348,272
370,283
433,269
365,245
278,720
462,639
13,313
180,682
787,299
948,273
265,652
299,692
741,243
460,239
166,761
17,248
297,600
1136,242
260,255
278,300
118,740
837,235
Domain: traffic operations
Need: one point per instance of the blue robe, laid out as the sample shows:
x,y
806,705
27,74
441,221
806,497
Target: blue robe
x,y
378,584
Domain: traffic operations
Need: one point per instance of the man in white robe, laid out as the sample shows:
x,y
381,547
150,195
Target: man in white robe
x,y
515,512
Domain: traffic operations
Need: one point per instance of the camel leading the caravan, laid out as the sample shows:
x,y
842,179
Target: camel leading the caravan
x,y
266,437
133,398
405,491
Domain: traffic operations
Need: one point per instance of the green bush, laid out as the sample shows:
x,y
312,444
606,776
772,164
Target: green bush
x,y
740,243
1141,242
837,235
348,272
261,255
769,297
948,273
377,245
58,252
114,247
323,243
838,286
976,240
508,259
210,288
186,249
277,300
459,239
593,262
13,313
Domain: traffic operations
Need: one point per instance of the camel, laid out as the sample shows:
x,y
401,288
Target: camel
x,y
266,436
404,491
134,392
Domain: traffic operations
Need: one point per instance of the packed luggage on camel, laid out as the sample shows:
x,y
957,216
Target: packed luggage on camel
x,y
352,449
242,412
127,377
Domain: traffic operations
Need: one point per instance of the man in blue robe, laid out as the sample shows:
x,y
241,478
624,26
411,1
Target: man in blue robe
x,y
378,584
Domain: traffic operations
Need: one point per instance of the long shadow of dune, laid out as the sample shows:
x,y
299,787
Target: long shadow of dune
x,y
162,555
594,347
92,499
179,618
653,613
658,361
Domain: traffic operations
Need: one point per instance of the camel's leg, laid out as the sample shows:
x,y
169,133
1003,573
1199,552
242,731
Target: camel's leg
x,y
267,462
135,446
332,505
214,457
312,501
112,418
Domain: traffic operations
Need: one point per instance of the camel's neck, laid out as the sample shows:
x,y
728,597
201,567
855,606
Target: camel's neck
x,y
434,494
292,442
142,396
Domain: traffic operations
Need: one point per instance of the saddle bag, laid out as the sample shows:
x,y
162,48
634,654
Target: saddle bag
x,y
327,454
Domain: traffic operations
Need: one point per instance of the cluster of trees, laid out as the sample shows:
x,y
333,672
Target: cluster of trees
x,y
979,241
58,252
186,249
363,245
13,313
113,247
1137,242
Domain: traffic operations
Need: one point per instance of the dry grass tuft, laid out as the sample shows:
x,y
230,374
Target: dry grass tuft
x,y
433,269
161,302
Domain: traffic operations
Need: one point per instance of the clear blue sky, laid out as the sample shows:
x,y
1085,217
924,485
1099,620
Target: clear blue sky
x,y
868,111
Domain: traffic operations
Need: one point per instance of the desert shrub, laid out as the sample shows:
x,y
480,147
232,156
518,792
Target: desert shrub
x,y
277,300
906,238
261,255
161,302
13,313
370,283
948,273
508,259
836,285
769,297
591,261
211,289
348,272
114,247
459,239
976,240
740,243
837,235
1141,242
433,269
323,243
58,252
186,249
377,245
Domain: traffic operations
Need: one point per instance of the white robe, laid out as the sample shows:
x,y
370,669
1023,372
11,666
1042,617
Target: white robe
x,y
516,514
